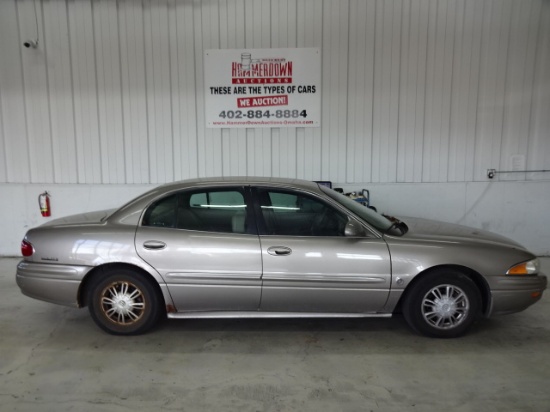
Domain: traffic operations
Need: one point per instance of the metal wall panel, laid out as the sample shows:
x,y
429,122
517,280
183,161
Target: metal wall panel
x,y
36,92
412,90
464,90
85,93
539,124
14,150
134,91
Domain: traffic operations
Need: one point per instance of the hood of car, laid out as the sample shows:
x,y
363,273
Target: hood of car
x,y
426,229
82,218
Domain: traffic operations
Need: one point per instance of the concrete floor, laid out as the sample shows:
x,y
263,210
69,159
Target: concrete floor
x,y
54,358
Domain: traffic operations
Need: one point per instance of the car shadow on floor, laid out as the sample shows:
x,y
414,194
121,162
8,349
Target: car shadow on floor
x,y
74,330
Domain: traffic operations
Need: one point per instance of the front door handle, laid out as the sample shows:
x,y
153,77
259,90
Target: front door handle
x,y
154,244
279,251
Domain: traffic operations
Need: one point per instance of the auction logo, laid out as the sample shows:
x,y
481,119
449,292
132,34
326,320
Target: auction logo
x,y
261,71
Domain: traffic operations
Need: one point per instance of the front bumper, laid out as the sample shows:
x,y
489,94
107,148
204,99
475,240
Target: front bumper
x,y
510,294
51,282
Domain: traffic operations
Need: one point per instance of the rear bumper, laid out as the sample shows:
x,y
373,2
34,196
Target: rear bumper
x,y
510,294
51,282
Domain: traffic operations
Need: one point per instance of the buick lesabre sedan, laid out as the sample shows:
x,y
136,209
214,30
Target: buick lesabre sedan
x,y
267,248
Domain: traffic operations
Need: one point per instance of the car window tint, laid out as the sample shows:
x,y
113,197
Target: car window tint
x,y
211,211
219,200
368,215
198,199
296,214
281,202
162,213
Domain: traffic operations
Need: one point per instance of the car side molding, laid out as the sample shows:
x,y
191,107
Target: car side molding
x,y
258,314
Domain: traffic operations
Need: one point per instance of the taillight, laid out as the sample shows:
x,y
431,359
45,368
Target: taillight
x,y
26,248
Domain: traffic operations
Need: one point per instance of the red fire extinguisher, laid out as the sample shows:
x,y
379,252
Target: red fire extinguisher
x,y
44,203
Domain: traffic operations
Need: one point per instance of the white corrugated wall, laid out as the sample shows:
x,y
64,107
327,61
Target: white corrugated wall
x,y
412,91
419,99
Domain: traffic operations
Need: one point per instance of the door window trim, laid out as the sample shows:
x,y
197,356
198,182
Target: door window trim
x,y
252,226
262,227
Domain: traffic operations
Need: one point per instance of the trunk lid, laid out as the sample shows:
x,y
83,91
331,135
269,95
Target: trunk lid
x,y
81,218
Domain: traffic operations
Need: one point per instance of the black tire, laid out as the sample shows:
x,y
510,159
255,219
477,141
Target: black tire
x,y
123,302
443,304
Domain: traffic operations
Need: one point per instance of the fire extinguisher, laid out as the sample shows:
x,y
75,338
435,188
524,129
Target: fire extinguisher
x,y
44,203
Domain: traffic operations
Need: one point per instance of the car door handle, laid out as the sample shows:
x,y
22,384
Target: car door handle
x,y
154,244
279,251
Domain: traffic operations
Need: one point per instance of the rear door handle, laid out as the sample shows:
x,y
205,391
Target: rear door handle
x,y
154,245
279,251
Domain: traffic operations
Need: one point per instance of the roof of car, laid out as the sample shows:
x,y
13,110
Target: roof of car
x,y
252,180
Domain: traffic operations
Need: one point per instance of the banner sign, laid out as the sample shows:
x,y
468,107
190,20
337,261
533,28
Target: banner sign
x,y
262,88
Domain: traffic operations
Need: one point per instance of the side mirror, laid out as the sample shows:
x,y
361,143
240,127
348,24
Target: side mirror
x,y
353,229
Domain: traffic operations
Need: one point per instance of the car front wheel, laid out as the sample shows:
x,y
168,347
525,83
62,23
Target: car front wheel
x,y
123,303
443,304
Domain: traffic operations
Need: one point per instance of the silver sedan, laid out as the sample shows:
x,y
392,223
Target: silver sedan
x,y
260,247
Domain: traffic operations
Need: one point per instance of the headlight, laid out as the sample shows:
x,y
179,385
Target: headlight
x,y
530,267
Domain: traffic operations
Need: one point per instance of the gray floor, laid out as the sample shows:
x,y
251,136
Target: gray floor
x,y
54,359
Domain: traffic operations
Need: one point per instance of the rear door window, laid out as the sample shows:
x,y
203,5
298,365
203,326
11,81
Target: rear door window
x,y
212,210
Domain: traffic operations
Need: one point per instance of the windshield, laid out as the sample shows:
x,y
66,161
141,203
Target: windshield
x,y
368,215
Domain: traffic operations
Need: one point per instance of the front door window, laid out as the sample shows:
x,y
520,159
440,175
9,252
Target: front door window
x,y
296,214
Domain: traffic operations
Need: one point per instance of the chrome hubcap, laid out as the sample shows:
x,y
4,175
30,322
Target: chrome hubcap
x,y
445,307
122,303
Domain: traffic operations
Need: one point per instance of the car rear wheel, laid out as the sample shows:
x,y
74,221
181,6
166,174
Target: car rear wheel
x,y
443,304
122,302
